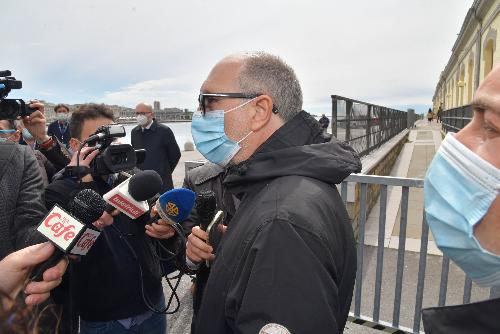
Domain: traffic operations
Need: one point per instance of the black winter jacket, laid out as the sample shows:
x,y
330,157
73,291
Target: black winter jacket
x,y
162,151
480,317
287,260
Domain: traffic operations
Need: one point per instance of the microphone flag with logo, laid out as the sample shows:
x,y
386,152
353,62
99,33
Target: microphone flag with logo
x,y
70,229
131,196
175,205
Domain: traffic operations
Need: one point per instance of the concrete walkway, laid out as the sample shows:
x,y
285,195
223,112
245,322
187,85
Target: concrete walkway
x,y
413,161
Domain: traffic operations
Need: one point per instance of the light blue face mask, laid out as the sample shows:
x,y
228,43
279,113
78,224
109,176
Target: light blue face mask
x,y
210,138
6,139
459,188
27,135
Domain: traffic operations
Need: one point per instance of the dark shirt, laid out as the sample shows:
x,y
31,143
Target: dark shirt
x,y
61,131
162,151
107,280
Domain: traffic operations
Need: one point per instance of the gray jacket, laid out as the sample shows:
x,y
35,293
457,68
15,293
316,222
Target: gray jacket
x,y
21,205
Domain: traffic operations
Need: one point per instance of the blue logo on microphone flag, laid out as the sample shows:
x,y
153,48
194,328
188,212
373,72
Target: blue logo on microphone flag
x,y
177,203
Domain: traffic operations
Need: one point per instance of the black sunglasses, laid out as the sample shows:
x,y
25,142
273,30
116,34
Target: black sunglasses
x,y
207,98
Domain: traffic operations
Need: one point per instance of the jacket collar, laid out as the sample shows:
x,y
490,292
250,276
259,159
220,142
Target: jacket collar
x,y
209,171
297,148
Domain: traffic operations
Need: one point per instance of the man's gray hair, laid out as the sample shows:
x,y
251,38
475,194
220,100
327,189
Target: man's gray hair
x,y
268,74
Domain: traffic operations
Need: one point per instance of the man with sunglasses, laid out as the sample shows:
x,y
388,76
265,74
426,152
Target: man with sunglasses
x,y
287,261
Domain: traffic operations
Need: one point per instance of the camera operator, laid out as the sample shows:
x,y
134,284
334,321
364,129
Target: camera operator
x,y
108,283
47,169
50,146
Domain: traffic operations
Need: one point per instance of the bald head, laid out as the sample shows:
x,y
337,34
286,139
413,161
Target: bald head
x,y
144,109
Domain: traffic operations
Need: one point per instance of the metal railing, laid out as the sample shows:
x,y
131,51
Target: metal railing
x,y
374,319
363,125
456,119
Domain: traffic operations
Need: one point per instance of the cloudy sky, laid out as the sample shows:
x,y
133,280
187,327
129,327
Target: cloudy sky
x,y
388,52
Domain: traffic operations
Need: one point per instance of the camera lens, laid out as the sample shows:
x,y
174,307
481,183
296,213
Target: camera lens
x,y
119,158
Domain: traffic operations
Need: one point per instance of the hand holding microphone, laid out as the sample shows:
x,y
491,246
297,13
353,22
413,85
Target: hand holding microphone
x,y
71,232
159,228
16,266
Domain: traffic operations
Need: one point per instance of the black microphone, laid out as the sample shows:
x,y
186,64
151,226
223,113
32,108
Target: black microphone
x,y
71,231
206,205
133,196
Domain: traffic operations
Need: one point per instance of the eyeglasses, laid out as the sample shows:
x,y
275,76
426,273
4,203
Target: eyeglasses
x,y
204,99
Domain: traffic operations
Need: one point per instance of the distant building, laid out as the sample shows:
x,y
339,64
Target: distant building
x,y
156,105
475,52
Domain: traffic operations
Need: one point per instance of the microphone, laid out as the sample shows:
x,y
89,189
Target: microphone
x,y
131,196
206,205
71,231
175,205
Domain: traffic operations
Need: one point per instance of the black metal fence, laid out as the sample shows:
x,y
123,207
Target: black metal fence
x,y
364,125
455,119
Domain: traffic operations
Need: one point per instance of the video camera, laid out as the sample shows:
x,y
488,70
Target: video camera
x,y
112,158
11,108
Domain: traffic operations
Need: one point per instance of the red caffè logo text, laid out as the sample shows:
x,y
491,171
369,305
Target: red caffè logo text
x,y
61,226
86,241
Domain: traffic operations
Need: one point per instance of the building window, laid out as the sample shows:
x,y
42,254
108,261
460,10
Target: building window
x,y
470,70
488,56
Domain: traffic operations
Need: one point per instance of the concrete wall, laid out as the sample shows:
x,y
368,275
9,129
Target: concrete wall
x,y
380,162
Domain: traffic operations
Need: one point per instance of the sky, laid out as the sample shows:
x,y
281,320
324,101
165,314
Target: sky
x,y
386,52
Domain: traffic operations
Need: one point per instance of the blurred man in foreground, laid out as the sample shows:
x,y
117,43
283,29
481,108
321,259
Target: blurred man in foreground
x,y
462,206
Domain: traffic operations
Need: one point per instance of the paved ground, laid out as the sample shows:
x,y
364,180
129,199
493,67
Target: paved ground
x,y
413,161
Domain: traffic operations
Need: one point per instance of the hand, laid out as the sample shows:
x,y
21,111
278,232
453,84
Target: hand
x,y
16,266
197,249
160,230
85,157
36,122
105,220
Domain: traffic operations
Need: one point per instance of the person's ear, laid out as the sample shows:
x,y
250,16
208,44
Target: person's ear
x,y
262,112
16,136
74,144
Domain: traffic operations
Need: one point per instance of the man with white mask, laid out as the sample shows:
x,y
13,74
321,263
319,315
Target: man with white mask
x,y
462,206
162,151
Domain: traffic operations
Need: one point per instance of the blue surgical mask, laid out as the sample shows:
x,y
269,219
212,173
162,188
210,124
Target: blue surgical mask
x,y
210,138
459,188
6,139
27,135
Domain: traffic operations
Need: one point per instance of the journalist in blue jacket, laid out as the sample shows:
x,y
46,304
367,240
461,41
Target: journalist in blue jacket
x,y
287,261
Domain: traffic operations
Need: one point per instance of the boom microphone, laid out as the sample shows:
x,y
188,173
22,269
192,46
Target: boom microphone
x,y
131,196
71,231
